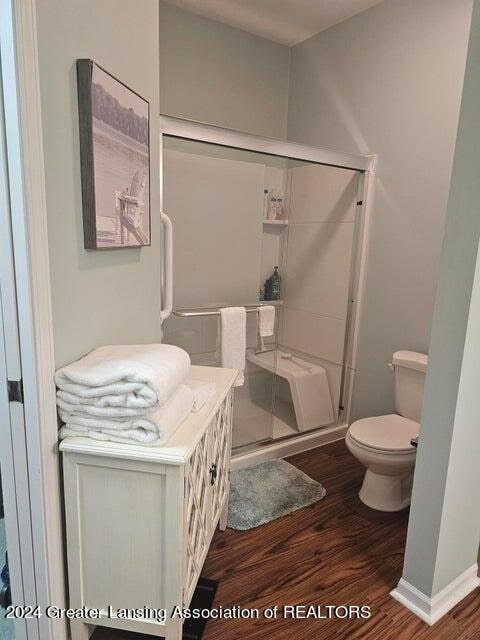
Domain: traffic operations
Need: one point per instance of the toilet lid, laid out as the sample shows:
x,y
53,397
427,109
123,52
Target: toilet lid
x,y
387,433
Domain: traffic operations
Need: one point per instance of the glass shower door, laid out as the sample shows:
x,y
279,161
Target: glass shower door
x,y
253,407
215,199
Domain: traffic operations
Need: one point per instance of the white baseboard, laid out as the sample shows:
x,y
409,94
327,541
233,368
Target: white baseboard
x,y
430,610
284,448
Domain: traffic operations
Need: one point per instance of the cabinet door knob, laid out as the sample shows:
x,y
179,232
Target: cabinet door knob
x,y
213,473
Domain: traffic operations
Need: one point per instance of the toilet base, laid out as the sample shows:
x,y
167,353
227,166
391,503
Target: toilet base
x,y
386,492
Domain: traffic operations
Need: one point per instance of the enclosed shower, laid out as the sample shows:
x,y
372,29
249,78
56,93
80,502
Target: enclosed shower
x,y
241,215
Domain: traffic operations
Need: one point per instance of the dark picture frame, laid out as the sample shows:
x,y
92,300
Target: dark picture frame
x,y
114,123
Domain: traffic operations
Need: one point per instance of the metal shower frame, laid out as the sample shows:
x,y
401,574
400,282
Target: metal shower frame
x,y
365,164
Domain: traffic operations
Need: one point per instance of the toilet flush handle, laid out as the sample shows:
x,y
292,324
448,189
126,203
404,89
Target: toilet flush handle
x,y
390,366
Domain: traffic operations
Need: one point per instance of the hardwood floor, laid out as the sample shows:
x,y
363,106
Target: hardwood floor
x,y
335,552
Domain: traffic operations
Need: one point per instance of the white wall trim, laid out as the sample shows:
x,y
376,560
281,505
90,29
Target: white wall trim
x,y
430,610
289,447
30,240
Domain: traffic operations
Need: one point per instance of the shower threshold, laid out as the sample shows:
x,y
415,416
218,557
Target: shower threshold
x,y
287,445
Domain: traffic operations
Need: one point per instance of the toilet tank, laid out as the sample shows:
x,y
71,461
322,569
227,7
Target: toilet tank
x,y
409,376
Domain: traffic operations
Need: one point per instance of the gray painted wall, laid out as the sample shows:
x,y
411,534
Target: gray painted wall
x,y
109,296
389,81
221,75
445,504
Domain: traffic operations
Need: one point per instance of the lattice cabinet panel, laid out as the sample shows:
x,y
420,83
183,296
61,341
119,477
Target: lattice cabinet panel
x,y
206,491
220,434
197,509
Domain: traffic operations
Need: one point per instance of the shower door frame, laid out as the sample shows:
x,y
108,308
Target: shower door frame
x,y
366,166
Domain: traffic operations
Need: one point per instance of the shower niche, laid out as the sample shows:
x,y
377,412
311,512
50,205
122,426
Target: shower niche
x,y
238,213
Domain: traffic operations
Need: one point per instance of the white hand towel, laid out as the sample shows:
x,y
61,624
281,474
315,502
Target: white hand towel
x,y
154,429
266,320
134,377
202,392
233,340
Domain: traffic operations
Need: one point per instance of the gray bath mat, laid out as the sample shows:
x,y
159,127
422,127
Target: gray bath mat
x,y
269,491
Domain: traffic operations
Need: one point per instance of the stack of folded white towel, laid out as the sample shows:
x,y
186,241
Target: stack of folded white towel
x,y
130,394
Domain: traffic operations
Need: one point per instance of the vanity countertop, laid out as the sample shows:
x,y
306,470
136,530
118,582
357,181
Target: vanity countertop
x,y
178,448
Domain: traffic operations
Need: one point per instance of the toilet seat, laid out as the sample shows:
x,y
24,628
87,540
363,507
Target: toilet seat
x,y
391,433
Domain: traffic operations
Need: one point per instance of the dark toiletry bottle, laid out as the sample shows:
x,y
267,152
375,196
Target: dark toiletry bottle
x,y
275,278
268,289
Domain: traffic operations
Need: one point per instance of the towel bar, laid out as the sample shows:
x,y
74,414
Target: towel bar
x,y
207,312
193,313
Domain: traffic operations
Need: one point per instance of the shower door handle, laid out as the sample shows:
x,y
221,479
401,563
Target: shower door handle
x,y
167,304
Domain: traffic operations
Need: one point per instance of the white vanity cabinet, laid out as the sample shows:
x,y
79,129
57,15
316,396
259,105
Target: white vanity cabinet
x,y
139,520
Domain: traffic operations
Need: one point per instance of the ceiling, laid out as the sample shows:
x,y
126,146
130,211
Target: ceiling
x,y
285,21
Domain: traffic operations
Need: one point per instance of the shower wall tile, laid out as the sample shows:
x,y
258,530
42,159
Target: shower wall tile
x,y
323,194
318,265
187,333
252,417
252,330
272,245
251,429
320,336
211,327
211,359
318,268
200,335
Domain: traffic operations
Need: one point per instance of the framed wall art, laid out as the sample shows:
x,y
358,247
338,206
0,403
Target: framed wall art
x,y
115,160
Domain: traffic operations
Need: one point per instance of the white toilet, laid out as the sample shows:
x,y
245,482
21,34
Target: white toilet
x,y
382,443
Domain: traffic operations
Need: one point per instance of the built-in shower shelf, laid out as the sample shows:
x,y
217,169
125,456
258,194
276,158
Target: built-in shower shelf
x,y
277,223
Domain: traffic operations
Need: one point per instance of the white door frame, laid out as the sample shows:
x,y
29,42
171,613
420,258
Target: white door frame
x,y
11,419
22,105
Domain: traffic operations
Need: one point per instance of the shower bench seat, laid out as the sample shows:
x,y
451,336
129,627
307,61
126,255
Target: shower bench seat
x,y
139,520
308,384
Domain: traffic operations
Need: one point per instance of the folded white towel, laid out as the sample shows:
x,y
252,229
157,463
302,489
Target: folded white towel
x,y
153,429
82,408
233,340
266,320
202,392
124,377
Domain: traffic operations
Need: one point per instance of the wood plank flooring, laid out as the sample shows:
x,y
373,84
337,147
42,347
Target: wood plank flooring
x,y
335,552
